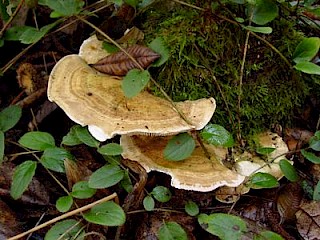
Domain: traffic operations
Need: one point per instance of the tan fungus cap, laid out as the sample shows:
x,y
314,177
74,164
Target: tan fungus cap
x,y
97,100
196,173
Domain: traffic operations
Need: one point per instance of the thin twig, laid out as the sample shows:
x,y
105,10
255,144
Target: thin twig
x,y
189,5
63,216
23,52
207,66
6,25
240,84
239,25
260,38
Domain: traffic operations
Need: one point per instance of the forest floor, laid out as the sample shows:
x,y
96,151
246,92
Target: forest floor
x,y
288,208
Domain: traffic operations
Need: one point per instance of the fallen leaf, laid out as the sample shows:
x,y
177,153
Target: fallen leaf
x,y
288,201
9,226
308,220
119,63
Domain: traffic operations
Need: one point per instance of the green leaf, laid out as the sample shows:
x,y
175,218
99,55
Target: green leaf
x,y
64,203
238,1
53,158
63,8
264,11
1,146
308,67
110,149
288,170
109,47
225,226
106,176
37,140
84,136
265,150
307,188
14,33
306,50
316,192
239,19
159,46
81,190
172,231
107,214
134,82
310,156
3,10
9,117
217,135
268,235
265,30
314,142
126,182
71,139
132,3
22,177
148,203
117,2
191,208
161,194
263,180
33,35
179,147
69,229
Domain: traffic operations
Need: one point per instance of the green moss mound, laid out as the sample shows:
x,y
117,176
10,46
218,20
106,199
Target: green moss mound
x,y
206,53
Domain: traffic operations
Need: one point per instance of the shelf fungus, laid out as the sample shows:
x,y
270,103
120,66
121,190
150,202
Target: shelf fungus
x,y
97,100
249,163
196,173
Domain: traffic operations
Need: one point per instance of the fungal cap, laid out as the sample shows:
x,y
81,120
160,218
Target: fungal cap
x,y
97,100
196,173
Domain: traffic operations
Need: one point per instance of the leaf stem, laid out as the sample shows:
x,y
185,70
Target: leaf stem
x,y
6,25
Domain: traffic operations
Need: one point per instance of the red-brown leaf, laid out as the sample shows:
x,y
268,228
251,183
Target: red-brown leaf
x,y
119,64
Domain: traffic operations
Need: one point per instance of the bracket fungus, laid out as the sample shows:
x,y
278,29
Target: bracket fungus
x,y
97,100
196,173
247,163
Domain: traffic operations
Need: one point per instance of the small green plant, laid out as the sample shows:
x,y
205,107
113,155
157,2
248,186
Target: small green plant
x,y
304,53
53,158
160,193
9,117
171,230
230,227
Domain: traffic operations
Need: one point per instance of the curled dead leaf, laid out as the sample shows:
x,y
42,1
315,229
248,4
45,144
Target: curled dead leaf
x,y
308,220
288,201
119,64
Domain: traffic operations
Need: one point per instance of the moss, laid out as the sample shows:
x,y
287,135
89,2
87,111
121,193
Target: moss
x,y
201,44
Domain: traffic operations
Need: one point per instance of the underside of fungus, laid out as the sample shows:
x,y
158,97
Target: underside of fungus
x,y
196,173
97,100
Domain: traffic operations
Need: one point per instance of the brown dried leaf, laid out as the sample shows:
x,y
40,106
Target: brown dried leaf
x,y
29,78
76,172
26,74
119,64
296,138
9,226
308,220
288,201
